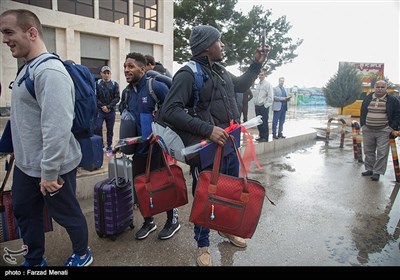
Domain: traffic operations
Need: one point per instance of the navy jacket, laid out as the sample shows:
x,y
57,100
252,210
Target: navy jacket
x,y
140,104
107,94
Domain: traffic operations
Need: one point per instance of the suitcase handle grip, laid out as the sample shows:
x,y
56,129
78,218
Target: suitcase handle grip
x,y
116,170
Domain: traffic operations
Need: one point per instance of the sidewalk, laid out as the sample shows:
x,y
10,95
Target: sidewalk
x,y
177,251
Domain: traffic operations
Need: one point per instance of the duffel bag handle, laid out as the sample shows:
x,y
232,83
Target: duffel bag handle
x,y
153,140
217,166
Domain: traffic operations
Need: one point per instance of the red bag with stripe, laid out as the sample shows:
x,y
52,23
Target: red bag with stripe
x,y
8,223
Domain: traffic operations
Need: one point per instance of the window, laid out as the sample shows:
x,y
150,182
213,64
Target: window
x,y
145,14
94,65
95,52
40,3
77,7
140,47
114,11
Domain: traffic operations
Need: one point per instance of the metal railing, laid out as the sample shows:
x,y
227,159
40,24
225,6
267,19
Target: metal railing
x,y
395,158
342,133
357,140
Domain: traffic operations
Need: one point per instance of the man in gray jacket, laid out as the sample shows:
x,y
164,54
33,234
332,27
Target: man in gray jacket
x,y
263,98
46,152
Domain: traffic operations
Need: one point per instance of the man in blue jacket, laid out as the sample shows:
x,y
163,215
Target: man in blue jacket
x,y
280,107
142,106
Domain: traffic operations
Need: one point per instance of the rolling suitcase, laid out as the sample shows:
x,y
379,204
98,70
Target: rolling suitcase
x,y
122,163
92,152
113,205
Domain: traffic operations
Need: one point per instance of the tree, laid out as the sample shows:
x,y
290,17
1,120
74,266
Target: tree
x,y
240,33
189,13
344,88
374,79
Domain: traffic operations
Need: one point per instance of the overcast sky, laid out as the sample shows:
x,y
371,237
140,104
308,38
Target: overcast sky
x,y
333,31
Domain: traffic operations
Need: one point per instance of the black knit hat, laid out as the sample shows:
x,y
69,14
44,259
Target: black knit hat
x,y
202,37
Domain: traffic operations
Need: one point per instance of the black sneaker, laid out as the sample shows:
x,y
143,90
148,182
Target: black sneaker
x,y
375,177
367,173
145,230
169,230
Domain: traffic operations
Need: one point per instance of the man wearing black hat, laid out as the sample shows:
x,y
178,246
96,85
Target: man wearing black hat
x,y
107,93
215,110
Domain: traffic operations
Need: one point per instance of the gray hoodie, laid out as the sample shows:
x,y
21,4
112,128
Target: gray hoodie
x,y
44,145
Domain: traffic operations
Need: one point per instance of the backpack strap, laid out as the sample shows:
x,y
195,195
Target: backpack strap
x,y
126,99
30,83
10,86
153,95
199,79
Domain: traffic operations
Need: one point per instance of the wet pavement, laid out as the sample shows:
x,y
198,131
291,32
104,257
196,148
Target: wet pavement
x,y
326,214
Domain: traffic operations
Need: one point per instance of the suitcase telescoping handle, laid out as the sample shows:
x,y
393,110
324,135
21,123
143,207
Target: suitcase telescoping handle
x,y
125,159
116,169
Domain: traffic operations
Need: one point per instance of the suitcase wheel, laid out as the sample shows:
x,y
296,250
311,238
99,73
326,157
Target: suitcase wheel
x,y
132,226
100,235
113,237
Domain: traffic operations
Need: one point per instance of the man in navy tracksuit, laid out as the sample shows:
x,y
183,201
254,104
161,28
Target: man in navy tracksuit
x,y
107,93
142,106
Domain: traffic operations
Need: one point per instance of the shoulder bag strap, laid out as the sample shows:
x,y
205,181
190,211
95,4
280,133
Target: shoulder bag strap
x,y
9,165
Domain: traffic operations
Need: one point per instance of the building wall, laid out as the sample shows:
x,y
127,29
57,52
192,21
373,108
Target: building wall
x,y
68,27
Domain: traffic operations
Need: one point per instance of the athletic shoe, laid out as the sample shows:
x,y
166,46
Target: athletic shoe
x,y
42,263
169,230
146,229
75,260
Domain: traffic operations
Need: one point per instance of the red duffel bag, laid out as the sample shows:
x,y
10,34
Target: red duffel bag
x,y
162,189
226,203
